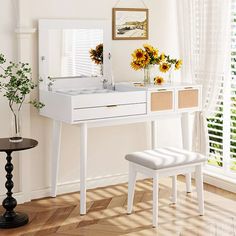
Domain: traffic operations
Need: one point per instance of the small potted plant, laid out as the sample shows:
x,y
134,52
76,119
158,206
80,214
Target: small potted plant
x,y
15,84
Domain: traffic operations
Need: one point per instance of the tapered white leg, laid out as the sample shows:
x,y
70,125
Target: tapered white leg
x,y
155,201
83,166
186,145
174,189
200,191
131,187
56,144
188,182
154,134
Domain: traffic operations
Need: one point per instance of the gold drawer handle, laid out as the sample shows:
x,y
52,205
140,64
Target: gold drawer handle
x,y
161,89
110,106
188,88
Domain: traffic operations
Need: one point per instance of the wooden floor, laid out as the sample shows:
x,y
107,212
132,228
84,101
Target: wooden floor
x,y
107,213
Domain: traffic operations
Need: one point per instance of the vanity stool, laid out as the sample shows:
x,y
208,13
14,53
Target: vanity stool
x,y
165,162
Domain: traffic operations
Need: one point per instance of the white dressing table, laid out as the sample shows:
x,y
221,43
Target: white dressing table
x,y
127,105
82,100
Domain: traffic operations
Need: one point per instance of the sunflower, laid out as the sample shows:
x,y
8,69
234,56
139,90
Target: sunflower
x,y
164,67
96,54
146,61
158,80
135,65
148,47
178,64
139,54
163,57
152,52
155,53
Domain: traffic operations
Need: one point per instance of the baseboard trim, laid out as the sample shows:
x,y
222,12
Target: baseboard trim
x,y
19,196
220,181
70,187
74,186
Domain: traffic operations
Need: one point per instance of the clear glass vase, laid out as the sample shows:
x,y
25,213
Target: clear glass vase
x,y
170,74
16,126
147,75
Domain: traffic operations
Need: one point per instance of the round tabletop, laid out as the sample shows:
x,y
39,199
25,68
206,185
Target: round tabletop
x,y
6,145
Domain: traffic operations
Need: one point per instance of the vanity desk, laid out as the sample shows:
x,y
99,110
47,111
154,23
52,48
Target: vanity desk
x,y
90,98
126,104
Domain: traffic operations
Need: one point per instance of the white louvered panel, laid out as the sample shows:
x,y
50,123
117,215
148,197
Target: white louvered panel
x,y
215,136
232,160
77,44
218,146
217,150
215,130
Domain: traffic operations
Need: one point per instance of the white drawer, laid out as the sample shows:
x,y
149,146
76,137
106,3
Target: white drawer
x,y
105,99
109,111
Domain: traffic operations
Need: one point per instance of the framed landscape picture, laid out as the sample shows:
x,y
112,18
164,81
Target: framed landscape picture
x,y
129,23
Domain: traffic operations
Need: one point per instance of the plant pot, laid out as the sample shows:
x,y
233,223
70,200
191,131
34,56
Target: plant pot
x,y
16,126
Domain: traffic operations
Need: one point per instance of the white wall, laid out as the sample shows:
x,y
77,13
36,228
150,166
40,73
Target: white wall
x,y
107,145
7,47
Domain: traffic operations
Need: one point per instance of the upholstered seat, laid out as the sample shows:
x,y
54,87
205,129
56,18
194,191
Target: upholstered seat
x,y
165,158
163,162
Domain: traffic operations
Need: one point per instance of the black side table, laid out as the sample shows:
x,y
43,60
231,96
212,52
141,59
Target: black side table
x,y
12,219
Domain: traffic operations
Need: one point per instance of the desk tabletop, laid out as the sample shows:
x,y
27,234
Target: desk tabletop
x,y
7,146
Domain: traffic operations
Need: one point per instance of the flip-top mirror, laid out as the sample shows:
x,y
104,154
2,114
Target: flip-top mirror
x,y
74,49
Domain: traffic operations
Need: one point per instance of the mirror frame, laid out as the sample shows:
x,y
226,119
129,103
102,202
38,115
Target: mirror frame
x,y
44,25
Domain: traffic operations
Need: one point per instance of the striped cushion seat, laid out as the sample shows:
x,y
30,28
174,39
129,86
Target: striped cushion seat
x,y
165,157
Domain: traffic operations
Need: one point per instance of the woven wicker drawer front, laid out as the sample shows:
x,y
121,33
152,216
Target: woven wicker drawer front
x,y
161,101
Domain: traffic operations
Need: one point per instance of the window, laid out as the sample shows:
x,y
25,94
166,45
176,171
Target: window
x,y
222,125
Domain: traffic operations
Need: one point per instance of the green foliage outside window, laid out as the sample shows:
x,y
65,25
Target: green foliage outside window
x,y
216,125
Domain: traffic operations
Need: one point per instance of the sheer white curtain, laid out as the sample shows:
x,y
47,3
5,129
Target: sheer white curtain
x,y
204,36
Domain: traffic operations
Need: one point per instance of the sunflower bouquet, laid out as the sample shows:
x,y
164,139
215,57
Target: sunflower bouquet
x,y
96,54
144,57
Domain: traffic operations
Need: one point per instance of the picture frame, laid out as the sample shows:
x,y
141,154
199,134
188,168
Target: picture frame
x,y
130,24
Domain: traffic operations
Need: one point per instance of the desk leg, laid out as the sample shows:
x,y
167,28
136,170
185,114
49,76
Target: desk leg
x,y
56,146
186,145
83,166
154,134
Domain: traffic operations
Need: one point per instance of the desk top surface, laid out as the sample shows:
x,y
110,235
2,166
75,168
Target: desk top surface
x,y
7,146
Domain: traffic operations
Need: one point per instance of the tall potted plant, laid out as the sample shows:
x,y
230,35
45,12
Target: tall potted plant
x,y
15,84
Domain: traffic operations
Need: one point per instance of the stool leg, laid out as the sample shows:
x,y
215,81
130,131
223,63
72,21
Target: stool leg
x,y
188,183
155,201
199,186
131,187
174,189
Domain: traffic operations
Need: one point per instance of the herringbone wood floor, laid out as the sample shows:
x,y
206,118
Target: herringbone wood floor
x,y
107,213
